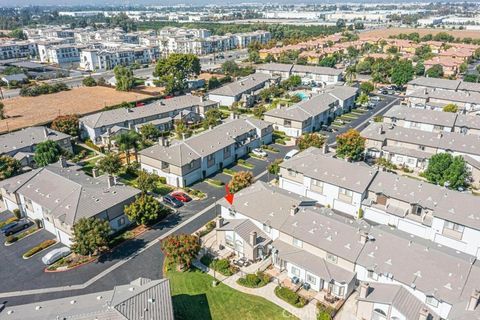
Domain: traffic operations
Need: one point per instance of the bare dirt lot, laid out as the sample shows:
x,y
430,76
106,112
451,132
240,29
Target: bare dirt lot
x,y
24,112
385,33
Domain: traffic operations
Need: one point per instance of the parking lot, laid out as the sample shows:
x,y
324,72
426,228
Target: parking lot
x,y
13,266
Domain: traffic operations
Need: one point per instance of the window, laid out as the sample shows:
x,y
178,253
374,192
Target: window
x,y
229,238
453,230
421,148
345,195
121,222
346,192
438,128
399,158
239,246
415,125
454,226
417,210
337,290
317,185
297,243
431,300
311,279
295,271
411,161
292,173
287,123
332,258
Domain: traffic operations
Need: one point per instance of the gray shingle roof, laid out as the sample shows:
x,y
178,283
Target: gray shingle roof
x,y
205,143
454,141
141,299
241,86
314,164
431,268
468,121
399,112
161,108
435,83
243,227
448,95
316,70
69,193
28,137
275,67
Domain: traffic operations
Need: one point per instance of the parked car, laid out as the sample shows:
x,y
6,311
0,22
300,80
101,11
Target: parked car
x,y
290,154
55,255
172,201
259,152
181,196
14,227
376,98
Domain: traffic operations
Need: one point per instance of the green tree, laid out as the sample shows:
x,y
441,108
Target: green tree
x,y
367,87
8,166
2,111
451,107
419,68
329,62
47,152
67,124
145,209
213,83
259,111
230,67
124,78
182,130
126,142
350,74
402,72
146,181
17,34
350,145
174,71
274,167
150,132
364,67
89,81
362,99
181,249
110,164
212,118
311,140
90,236
240,180
447,170
436,71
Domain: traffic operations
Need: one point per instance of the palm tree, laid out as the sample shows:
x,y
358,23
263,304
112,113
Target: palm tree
x,y
350,74
127,141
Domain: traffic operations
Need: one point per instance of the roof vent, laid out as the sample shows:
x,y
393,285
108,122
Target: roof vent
x,y
38,307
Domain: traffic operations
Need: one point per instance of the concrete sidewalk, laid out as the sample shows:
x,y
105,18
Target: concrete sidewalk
x,y
308,312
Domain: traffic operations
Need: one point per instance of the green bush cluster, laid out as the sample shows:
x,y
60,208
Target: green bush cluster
x,y
44,245
244,163
9,220
36,90
215,182
15,238
325,312
270,148
253,280
89,143
194,192
208,228
291,297
220,265
230,172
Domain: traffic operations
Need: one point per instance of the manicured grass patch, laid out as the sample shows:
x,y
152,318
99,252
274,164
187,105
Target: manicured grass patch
x,y
245,164
253,280
214,182
14,238
351,116
325,312
253,155
359,111
8,221
291,297
280,141
270,148
229,172
194,297
89,165
42,246
81,153
194,192
206,229
220,265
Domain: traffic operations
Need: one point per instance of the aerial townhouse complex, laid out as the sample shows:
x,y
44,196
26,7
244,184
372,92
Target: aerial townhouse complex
x,y
17,49
101,126
311,114
60,194
185,162
401,275
320,76
244,90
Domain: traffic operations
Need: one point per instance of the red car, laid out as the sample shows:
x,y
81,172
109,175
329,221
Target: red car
x,y
181,196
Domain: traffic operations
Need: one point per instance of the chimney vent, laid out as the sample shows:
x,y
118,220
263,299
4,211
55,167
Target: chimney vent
x,y
45,132
474,299
363,237
63,162
111,181
293,210
220,222
364,290
253,238
95,172
424,314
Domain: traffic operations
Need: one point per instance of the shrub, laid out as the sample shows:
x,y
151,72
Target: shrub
x,y
254,280
43,245
162,180
280,141
230,172
220,265
291,297
11,239
208,228
17,213
325,312
215,182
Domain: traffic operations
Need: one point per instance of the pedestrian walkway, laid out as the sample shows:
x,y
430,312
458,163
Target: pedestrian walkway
x,y
308,312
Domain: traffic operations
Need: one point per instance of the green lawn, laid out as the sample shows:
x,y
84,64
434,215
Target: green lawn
x,y
195,298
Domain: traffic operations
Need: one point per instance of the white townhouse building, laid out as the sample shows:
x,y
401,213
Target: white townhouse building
x,y
95,59
320,76
333,182
161,113
242,40
185,162
311,114
60,194
436,99
244,90
17,49
441,84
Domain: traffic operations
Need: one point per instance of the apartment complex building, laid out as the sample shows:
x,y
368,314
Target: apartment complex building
x,y
60,194
185,162
100,126
311,114
17,49
106,58
320,76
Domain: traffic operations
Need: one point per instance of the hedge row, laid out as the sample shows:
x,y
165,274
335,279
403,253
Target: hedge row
x,y
291,297
42,246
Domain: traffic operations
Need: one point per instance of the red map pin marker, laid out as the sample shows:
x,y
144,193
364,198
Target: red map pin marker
x,y
228,196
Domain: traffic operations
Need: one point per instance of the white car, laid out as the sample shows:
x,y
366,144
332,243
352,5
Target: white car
x,y
259,152
290,154
55,254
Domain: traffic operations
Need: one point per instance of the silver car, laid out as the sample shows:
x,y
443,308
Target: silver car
x,y
55,254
